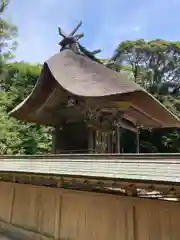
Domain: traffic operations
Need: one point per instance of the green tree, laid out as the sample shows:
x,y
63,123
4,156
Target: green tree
x,y
17,137
155,65
8,32
16,82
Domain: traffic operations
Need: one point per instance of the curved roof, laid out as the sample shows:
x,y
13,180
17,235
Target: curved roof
x,y
84,77
79,75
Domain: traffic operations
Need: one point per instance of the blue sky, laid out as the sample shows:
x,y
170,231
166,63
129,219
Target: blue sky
x,y
105,23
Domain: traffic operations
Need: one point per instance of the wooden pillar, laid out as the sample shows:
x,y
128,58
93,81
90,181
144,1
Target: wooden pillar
x,y
53,150
90,140
97,142
114,142
55,140
109,143
118,134
137,141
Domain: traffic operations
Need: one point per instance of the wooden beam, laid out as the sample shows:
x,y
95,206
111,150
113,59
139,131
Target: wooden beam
x,y
126,126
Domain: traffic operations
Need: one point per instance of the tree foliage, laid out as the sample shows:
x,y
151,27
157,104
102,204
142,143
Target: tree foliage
x,y
8,32
155,62
16,82
17,137
155,65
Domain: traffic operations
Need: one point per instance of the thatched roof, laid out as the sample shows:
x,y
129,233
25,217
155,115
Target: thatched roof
x,y
70,73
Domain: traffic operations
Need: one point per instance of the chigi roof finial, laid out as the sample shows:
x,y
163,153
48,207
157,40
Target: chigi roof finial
x,y
71,41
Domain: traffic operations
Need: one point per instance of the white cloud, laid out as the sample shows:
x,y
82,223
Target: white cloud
x,y
137,28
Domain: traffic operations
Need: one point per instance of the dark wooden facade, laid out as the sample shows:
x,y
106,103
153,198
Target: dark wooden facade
x,y
81,138
88,129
